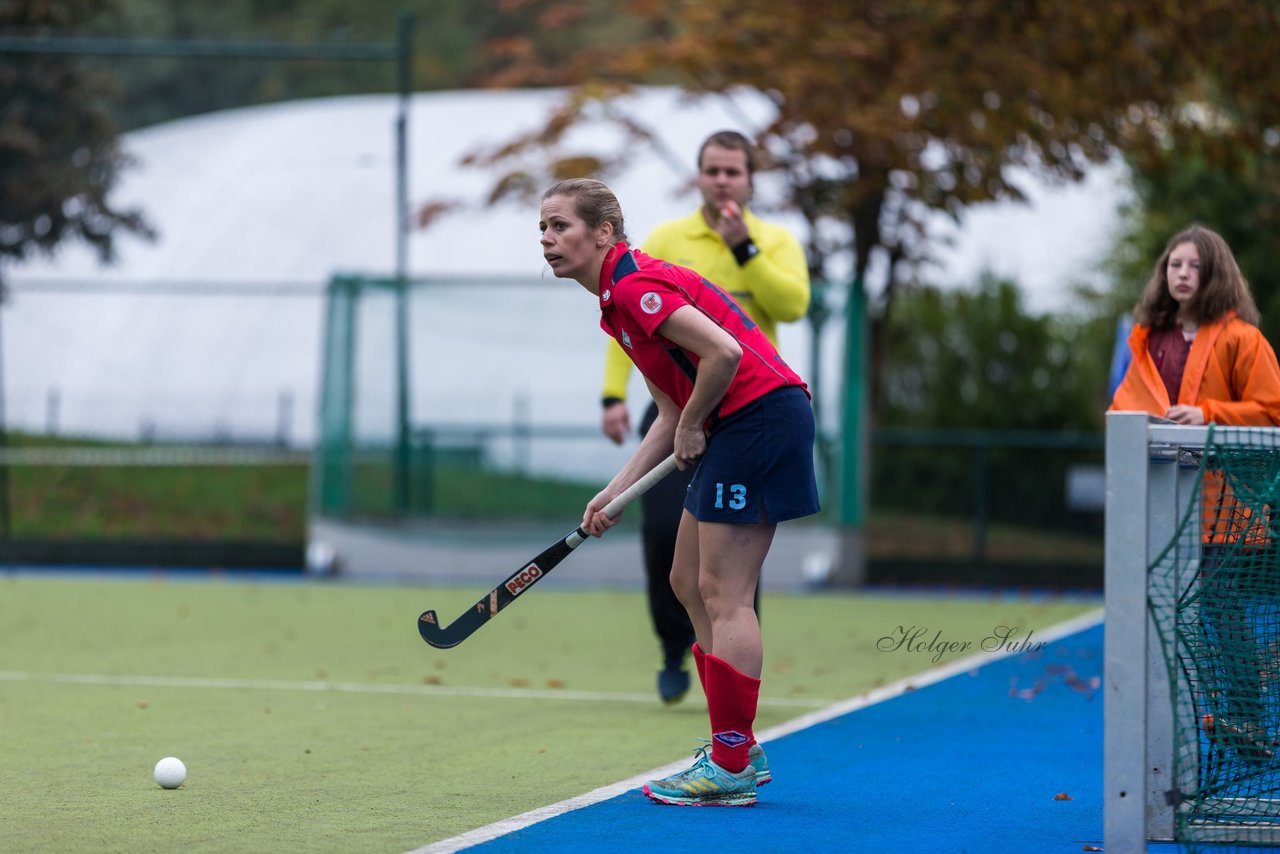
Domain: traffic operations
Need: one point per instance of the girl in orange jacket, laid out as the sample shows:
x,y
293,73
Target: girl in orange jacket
x,y
1197,353
1199,357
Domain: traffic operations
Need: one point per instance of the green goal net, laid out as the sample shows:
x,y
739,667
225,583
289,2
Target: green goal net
x,y
1214,596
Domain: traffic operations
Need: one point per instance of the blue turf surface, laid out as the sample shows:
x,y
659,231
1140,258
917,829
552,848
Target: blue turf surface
x,y
969,764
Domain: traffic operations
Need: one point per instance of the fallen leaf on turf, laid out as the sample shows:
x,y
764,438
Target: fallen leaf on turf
x,y
555,683
1063,796
430,680
142,704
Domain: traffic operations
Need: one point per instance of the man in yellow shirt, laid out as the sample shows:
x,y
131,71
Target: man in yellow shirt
x,y
763,267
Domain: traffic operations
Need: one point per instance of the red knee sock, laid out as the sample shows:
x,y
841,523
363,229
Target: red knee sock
x,y
700,662
731,704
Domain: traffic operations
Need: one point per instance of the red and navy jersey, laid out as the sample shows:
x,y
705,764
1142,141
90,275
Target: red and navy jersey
x,y
638,292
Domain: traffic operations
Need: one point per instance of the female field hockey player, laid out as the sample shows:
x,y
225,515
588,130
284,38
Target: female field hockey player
x,y
728,406
763,267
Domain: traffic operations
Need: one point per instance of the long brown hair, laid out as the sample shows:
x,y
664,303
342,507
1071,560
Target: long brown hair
x,y
1223,287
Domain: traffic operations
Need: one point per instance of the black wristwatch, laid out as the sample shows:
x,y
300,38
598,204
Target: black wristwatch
x,y
745,251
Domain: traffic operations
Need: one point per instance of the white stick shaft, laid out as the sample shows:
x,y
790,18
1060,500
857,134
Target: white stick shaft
x,y
640,487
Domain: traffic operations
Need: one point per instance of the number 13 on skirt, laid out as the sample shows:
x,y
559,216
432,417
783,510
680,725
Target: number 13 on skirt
x,y
737,496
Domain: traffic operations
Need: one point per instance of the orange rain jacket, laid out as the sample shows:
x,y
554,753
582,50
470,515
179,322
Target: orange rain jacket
x,y
1231,374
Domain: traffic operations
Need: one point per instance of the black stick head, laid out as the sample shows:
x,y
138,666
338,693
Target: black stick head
x,y
437,635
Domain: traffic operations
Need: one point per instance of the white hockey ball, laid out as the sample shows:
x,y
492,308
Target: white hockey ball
x,y
170,772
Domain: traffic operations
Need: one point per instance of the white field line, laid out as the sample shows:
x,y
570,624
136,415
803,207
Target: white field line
x,y
844,707
359,688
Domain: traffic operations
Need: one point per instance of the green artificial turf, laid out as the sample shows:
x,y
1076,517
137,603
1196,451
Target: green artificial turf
x,y
311,717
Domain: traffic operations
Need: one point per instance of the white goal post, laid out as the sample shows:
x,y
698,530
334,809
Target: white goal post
x,y
1144,479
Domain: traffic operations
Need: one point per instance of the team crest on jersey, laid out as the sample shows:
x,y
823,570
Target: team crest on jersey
x,y
604,297
626,340
651,303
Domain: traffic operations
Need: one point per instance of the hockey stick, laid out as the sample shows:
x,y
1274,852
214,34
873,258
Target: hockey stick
x,y
531,573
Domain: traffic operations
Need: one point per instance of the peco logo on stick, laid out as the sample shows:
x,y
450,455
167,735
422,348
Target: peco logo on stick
x,y
517,584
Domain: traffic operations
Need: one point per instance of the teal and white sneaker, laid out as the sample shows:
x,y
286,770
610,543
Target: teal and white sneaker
x,y
706,784
756,758
760,762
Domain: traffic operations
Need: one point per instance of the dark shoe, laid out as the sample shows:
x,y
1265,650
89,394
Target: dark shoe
x,y
673,684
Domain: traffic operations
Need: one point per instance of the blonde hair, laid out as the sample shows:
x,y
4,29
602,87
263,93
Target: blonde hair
x,y
1223,287
594,202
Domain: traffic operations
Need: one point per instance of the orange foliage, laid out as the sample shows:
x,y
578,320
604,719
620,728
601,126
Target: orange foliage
x,y
887,109
931,100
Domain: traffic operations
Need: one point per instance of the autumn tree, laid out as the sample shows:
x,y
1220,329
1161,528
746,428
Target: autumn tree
x,y
890,110
1214,160
59,151
887,111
